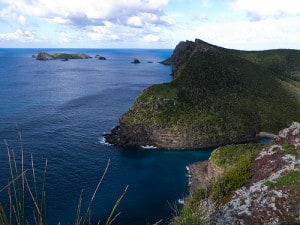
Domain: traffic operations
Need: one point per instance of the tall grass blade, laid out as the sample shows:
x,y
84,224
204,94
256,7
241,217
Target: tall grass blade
x,y
94,194
20,186
78,218
110,220
22,203
3,217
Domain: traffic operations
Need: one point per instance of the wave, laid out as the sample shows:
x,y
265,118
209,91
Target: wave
x,y
148,147
180,201
103,141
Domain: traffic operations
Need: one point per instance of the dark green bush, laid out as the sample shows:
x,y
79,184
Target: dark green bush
x,y
231,180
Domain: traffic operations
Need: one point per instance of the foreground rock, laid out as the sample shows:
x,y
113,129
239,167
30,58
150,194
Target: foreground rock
x,y
270,196
214,99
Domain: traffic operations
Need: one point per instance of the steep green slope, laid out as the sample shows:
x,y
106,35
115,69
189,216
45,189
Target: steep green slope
x,y
217,96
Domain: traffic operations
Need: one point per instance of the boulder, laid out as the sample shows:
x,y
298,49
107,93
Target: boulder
x,y
290,135
135,61
99,57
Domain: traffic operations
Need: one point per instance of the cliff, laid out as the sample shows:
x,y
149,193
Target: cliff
x,y
255,184
217,96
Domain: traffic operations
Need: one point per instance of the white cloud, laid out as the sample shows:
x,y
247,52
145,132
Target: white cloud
x,y
89,12
8,14
22,20
19,35
143,19
264,34
262,9
134,21
151,38
102,33
65,37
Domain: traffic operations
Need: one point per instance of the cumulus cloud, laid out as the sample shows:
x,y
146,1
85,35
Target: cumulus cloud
x,y
134,21
102,33
10,14
92,12
258,9
151,38
19,35
269,33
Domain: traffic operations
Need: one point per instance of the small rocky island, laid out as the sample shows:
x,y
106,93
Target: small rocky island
x,y
61,56
100,57
217,96
135,61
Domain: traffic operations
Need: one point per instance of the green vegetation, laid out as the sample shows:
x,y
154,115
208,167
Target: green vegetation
x,y
288,150
70,56
291,179
236,161
232,179
222,94
227,156
47,56
192,213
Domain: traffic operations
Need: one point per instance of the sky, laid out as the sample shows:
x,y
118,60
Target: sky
x,y
237,24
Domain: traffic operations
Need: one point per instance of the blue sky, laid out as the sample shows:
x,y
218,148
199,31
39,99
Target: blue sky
x,y
239,24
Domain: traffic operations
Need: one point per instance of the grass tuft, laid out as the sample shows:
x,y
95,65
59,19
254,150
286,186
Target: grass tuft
x,y
291,179
25,194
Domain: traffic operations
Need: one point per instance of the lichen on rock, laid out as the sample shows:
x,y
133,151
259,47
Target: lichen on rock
x,y
272,193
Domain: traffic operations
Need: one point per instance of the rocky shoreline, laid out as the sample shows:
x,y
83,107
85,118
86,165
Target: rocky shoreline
x,y
200,175
160,137
258,202
212,100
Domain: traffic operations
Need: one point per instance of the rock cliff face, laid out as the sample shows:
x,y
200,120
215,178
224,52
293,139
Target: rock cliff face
x,y
201,175
218,96
291,136
184,50
270,196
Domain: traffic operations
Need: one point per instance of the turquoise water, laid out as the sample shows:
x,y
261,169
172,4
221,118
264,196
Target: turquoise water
x,y
63,108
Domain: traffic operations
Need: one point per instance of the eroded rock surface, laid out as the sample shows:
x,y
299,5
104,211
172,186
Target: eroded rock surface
x,y
271,195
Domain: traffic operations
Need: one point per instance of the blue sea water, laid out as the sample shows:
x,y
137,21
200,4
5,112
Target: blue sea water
x,y
63,108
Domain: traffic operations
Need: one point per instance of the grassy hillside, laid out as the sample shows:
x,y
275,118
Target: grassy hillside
x,y
224,92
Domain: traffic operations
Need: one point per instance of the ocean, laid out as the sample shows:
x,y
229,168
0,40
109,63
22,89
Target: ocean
x,y
63,108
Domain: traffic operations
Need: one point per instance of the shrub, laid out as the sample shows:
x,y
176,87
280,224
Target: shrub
x,y
192,213
231,180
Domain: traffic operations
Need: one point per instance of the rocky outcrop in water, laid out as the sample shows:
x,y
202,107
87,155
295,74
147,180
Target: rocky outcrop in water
x,y
135,61
99,57
62,56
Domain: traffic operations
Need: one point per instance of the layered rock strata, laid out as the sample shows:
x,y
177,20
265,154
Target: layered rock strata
x,y
218,96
